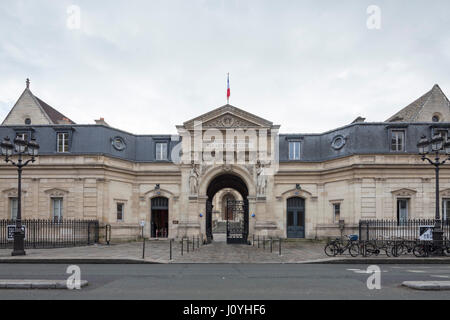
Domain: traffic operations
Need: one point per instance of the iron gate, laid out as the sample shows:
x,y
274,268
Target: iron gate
x,y
237,221
209,234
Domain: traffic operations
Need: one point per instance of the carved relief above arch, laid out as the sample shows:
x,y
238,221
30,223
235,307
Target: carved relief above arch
x,y
296,193
158,193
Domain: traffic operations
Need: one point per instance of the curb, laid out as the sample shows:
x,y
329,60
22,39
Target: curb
x,y
384,261
36,284
427,285
76,261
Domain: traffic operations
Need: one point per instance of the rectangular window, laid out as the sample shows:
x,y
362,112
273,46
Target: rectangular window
x,y
120,212
161,151
57,207
23,135
402,211
398,140
445,209
13,202
337,212
294,150
62,142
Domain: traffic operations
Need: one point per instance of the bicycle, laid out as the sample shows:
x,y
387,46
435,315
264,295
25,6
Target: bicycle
x,y
337,246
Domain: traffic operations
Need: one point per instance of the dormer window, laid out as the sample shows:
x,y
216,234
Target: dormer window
x,y
62,142
294,150
398,140
161,151
27,121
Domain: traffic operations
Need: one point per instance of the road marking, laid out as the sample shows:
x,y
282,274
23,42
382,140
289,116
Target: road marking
x,y
439,276
416,271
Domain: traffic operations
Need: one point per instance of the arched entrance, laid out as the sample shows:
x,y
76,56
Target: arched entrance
x,y
237,229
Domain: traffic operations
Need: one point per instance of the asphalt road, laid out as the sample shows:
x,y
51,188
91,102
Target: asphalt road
x,y
227,281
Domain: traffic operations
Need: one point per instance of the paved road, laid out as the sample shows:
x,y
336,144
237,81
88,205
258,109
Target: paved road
x,y
227,281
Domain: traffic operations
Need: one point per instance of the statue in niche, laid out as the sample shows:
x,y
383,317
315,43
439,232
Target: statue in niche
x,y
261,180
193,179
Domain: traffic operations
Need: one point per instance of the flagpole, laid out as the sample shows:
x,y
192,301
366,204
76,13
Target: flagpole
x,y
228,88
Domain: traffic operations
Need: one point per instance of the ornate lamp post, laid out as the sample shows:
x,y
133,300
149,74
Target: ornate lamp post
x,y
437,146
20,148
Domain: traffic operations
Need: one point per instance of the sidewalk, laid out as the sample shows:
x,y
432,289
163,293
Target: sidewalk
x,y
216,252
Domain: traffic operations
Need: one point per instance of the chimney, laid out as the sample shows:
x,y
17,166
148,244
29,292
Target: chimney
x,y
101,121
359,119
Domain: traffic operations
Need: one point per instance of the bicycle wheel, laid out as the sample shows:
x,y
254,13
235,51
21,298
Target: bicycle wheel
x,y
369,249
330,250
420,251
354,250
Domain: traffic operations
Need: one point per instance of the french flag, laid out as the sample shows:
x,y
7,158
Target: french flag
x,y
228,88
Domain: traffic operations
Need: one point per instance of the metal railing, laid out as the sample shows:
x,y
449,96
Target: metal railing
x,y
41,233
392,229
272,244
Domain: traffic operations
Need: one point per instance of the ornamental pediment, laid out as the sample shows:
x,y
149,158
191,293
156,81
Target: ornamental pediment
x,y
56,192
228,116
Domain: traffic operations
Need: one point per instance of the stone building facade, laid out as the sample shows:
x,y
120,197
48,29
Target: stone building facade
x,y
288,185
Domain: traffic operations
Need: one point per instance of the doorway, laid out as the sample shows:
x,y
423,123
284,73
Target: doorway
x,y
295,217
160,217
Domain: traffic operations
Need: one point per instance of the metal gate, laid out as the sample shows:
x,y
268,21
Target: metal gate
x,y
237,221
209,234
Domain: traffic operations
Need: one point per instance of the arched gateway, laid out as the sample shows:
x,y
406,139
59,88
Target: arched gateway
x,y
237,228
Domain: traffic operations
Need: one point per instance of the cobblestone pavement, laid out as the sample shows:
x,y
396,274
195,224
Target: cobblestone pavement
x,y
216,252
159,251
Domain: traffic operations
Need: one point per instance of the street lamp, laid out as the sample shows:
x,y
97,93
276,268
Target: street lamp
x,y
437,146
20,147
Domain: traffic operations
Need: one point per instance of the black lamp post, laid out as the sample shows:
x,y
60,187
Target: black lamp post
x,y
437,145
21,148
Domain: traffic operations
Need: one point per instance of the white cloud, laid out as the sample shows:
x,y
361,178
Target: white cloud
x,y
147,66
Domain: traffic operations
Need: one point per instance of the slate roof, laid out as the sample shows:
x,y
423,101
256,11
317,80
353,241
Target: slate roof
x,y
411,112
54,115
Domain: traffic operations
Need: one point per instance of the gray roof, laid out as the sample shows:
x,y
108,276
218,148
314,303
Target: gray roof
x,y
359,138
411,112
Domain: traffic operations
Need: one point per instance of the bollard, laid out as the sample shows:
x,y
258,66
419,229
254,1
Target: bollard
x,y
258,241
170,249
182,245
187,244
193,243
279,246
264,242
253,242
143,249
271,240
198,242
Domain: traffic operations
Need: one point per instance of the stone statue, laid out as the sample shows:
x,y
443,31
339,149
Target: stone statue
x,y
261,180
193,180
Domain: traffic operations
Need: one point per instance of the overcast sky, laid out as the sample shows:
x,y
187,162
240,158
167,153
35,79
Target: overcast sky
x,y
146,66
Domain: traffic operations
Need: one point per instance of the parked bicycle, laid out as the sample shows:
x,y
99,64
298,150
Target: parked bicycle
x,y
339,246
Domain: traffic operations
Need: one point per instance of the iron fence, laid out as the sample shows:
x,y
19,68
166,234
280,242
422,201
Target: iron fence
x,y
52,234
394,229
